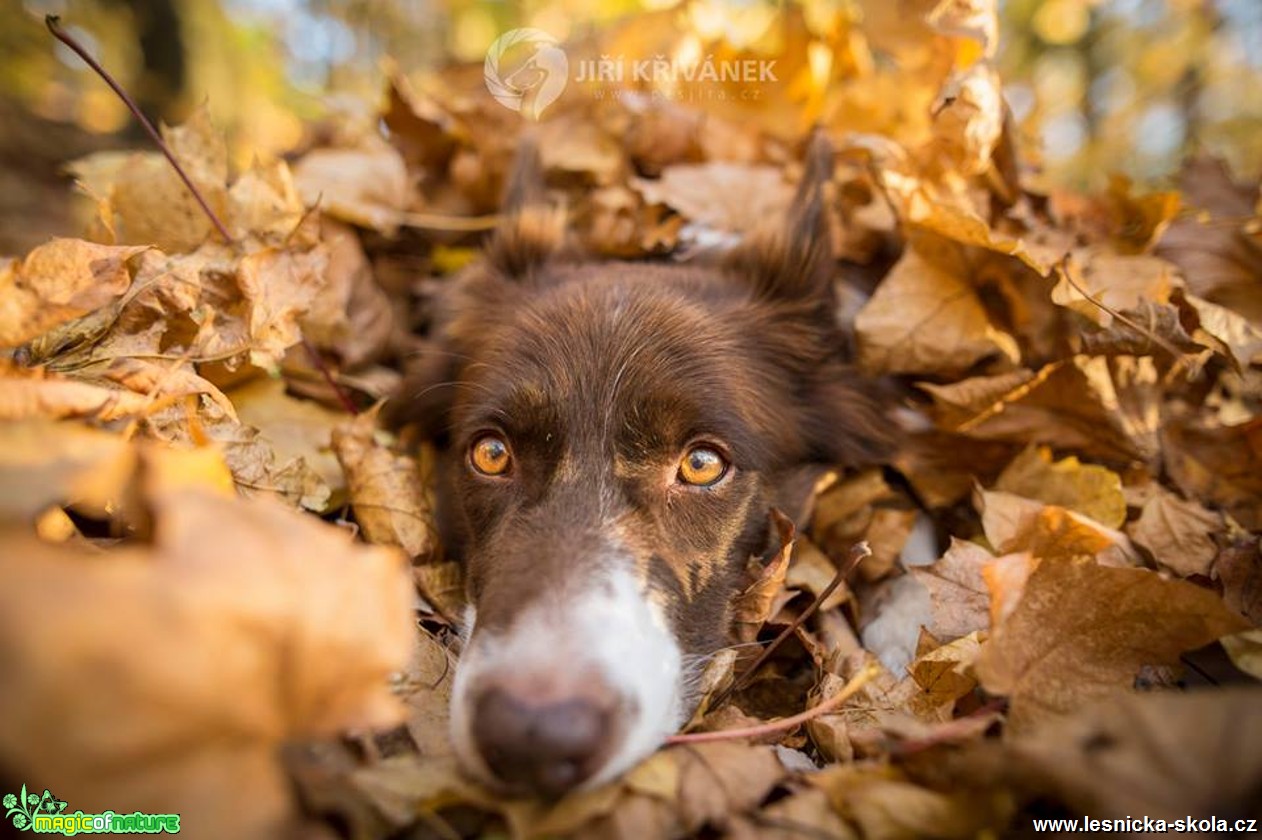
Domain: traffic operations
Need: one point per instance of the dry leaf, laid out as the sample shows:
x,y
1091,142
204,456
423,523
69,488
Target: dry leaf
x,y
295,430
149,204
387,494
751,608
1091,490
1221,465
730,197
58,282
303,626
1238,568
367,185
957,593
885,805
1082,630
1178,533
1102,760
925,319
45,463
723,778
1014,524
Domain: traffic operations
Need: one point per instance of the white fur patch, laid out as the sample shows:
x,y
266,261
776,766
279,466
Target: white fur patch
x,y
610,628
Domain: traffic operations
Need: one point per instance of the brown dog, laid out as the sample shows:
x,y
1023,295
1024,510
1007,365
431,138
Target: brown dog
x,y
613,436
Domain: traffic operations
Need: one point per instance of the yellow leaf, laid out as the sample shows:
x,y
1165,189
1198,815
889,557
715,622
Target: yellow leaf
x,y
1091,490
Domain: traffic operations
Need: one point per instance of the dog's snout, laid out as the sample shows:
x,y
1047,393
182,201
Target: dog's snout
x,y
545,747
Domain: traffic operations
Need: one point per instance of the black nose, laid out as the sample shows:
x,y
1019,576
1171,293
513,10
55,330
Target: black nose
x,y
545,748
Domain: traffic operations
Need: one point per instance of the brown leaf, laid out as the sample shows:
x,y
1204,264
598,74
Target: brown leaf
x,y
420,127
295,430
945,674
1082,630
1221,465
365,185
151,205
957,592
1015,524
389,498
720,779
58,282
812,572
1147,329
1005,579
279,288
425,688
1101,406
45,463
352,315
264,204
580,149
968,124
883,804
927,320
1214,249
752,607
863,507
33,393
1164,755
727,197
1178,533
303,627
1238,568
1227,331
1113,282
807,813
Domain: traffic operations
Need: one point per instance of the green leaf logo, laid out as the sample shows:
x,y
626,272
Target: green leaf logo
x,y
22,807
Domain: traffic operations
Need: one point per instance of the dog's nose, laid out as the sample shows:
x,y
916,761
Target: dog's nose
x,y
547,748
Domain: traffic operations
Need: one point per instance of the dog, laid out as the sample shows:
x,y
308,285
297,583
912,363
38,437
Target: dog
x,y
612,437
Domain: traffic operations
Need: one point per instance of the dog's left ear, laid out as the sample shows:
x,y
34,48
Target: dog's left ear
x,y
794,260
532,228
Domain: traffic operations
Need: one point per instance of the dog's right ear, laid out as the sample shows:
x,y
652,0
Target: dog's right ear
x,y
532,228
531,232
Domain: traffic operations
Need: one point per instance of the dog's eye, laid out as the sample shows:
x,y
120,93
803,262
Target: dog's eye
x,y
489,455
702,466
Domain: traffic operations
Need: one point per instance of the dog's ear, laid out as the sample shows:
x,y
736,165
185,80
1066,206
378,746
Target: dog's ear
x,y
532,229
794,260
531,232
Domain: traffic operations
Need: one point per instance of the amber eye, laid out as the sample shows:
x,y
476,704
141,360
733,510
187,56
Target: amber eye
x,y
702,466
489,455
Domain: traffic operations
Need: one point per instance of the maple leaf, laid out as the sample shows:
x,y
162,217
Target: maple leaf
x,y
1082,630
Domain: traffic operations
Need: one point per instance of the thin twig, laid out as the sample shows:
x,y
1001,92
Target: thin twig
x,y
54,26
859,552
1063,268
870,671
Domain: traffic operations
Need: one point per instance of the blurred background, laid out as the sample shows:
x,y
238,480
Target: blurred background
x,y
1095,86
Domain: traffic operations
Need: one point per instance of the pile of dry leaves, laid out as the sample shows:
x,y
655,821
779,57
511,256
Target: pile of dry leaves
x,y
1081,389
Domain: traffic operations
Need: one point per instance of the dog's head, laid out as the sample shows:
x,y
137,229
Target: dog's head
x,y
613,437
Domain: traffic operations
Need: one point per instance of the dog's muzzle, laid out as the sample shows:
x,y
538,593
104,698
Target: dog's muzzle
x,y
571,694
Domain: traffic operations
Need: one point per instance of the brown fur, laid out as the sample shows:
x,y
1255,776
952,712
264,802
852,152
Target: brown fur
x,y
601,374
